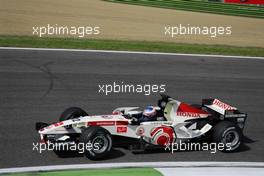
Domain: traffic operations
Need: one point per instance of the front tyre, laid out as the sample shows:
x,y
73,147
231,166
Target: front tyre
x,y
99,140
71,113
229,134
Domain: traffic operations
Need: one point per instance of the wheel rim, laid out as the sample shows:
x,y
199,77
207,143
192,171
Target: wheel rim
x,y
102,142
231,137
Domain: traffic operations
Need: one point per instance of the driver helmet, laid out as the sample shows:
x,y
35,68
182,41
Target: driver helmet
x,y
150,111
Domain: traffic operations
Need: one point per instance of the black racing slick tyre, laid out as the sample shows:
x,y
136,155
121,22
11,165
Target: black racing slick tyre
x,y
228,134
71,113
97,142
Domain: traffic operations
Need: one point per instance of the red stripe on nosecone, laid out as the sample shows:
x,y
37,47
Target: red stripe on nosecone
x,y
121,122
107,123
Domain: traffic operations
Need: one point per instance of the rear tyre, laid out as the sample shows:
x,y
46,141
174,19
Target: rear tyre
x,y
99,140
229,134
71,113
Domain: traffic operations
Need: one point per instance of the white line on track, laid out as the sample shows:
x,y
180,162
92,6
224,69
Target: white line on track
x,y
135,164
209,171
129,52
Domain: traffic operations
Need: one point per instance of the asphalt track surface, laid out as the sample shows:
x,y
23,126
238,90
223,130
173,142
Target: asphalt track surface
x,y
39,85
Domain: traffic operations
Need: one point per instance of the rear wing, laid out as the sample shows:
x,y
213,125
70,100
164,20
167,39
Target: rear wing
x,y
226,111
218,106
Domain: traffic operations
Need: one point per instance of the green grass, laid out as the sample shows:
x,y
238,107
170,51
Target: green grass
x,y
36,42
96,172
202,6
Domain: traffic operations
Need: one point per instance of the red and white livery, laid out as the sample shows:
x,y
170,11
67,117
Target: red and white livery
x,y
174,121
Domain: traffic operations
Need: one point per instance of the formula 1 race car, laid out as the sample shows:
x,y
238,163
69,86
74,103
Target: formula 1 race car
x,y
176,121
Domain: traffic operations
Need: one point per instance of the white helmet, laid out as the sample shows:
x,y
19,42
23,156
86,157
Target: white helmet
x,y
150,111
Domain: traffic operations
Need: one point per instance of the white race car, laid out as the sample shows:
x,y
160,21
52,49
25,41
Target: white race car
x,y
175,121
